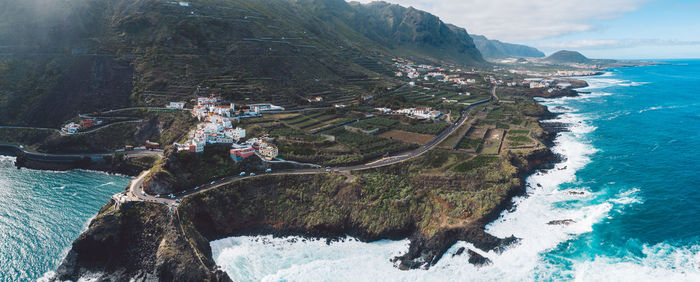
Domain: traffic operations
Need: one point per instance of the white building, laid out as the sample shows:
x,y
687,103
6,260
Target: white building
x,y
176,105
266,107
237,133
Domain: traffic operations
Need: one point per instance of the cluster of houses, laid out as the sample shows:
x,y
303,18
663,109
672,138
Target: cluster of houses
x,y
84,123
408,69
212,106
576,73
253,146
216,127
539,82
416,113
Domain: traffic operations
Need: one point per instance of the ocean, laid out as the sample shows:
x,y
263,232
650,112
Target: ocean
x,y
629,187
42,212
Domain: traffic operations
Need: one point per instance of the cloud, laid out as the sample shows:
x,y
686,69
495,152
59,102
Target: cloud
x,y
524,20
615,43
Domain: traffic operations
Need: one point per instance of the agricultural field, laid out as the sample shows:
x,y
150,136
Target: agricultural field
x,y
314,122
492,142
473,139
369,147
435,97
519,138
451,141
408,137
385,124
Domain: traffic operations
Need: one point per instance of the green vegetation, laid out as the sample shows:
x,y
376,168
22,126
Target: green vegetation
x,y
476,162
384,124
30,138
185,170
424,192
469,143
369,146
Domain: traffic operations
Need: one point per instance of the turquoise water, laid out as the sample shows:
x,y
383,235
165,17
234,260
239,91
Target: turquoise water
x,y
42,212
628,185
646,139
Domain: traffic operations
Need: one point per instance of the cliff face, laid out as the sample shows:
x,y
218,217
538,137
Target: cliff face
x,y
412,31
496,49
135,241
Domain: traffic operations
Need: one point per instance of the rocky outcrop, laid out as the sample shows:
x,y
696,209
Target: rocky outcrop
x,y
561,222
477,259
114,163
139,241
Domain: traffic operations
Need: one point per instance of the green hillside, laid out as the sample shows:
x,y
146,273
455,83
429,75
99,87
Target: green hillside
x,y
61,58
567,57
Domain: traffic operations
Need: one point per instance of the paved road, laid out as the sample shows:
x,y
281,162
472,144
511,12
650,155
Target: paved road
x,y
133,153
29,127
106,126
131,108
136,193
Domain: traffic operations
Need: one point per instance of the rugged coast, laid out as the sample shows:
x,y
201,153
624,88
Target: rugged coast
x,y
119,163
415,200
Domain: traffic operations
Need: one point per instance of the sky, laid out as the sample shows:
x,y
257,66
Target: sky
x,y
614,29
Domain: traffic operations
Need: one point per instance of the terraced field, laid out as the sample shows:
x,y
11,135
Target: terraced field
x,y
319,121
369,146
436,96
386,124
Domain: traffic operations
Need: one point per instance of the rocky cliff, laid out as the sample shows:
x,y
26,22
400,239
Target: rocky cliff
x,y
495,49
149,241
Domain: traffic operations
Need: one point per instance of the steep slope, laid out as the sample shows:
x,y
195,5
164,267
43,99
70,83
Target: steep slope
x,y
61,58
567,57
414,32
495,49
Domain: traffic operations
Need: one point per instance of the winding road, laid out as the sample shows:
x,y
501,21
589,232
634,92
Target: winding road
x,y
135,190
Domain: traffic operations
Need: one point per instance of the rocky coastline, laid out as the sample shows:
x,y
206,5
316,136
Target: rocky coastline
x,y
177,248
109,163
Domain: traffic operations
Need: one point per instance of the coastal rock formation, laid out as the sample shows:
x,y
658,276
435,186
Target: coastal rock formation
x,y
561,222
477,259
149,241
136,241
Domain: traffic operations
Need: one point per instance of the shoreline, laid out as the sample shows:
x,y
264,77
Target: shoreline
x,y
198,249
65,162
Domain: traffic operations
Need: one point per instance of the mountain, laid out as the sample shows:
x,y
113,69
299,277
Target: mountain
x,y
495,49
414,32
567,57
62,58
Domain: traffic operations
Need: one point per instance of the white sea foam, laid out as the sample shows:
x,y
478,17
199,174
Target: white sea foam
x,y
632,83
267,259
660,262
627,197
244,259
264,258
106,184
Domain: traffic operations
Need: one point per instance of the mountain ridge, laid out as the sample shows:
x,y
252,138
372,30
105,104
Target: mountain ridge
x,y
496,49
